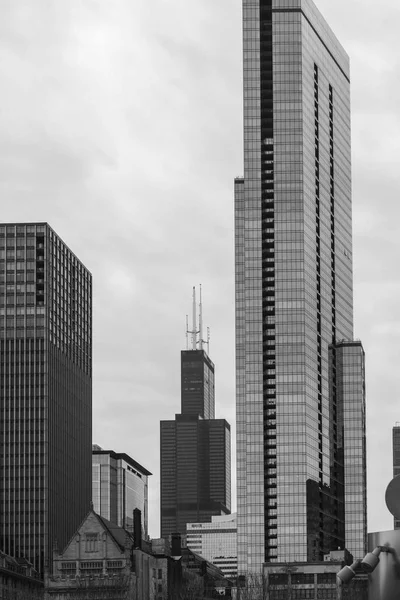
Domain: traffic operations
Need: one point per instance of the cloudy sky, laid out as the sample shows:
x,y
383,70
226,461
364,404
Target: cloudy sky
x,y
121,126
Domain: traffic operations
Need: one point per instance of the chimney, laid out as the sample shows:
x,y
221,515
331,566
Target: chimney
x,y
176,547
137,528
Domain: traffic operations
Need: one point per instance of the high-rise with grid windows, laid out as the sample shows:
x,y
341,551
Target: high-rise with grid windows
x,y
301,475
396,460
46,392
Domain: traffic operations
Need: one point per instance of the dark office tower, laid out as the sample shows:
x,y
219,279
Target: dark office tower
x,y
396,460
293,288
46,392
195,448
197,384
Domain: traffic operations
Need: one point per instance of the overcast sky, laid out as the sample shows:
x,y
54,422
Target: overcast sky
x,y
121,126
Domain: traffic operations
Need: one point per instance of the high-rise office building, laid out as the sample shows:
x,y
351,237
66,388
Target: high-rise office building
x,y
46,391
294,306
195,448
120,485
396,459
216,542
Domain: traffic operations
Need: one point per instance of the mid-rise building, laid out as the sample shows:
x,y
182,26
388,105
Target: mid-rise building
x,y
396,460
299,493
195,449
46,391
120,485
216,542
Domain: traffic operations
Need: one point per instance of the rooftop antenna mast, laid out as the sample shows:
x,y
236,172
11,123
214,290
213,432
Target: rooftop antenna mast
x,y
200,323
194,330
201,340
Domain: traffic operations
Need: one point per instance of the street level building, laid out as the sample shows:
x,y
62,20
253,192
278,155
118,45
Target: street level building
x,y
46,391
299,493
19,580
195,448
102,560
216,542
120,485
314,581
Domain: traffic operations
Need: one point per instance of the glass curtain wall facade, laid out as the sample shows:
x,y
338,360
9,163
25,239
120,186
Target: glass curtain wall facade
x,y
396,460
46,391
293,282
195,452
120,485
349,377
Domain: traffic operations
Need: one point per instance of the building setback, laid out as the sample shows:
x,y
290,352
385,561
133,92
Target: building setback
x,y
299,492
46,391
195,450
120,485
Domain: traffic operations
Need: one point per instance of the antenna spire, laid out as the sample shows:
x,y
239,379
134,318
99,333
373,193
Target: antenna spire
x,y
197,341
200,323
194,330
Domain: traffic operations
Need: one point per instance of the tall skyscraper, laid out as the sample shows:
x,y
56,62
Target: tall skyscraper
x,y
195,448
396,459
294,304
120,485
46,391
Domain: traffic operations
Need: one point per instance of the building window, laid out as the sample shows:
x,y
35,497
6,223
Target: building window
x,y
92,542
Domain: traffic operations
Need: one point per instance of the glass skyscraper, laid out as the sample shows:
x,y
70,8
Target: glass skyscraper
x,y
299,492
195,452
396,460
120,485
46,392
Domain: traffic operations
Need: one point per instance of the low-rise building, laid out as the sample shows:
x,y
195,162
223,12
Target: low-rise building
x,y
18,579
102,560
311,581
216,542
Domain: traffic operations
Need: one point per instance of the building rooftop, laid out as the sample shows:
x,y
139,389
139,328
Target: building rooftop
x,y
121,456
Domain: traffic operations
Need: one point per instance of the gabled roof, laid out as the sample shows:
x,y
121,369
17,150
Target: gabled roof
x,y
119,534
